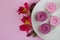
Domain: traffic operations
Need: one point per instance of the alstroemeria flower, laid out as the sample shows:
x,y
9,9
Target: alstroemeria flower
x,y
25,9
27,24
25,28
26,20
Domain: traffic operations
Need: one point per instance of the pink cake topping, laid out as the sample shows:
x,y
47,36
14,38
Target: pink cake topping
x,y
41,16
54,20
51,7
45,28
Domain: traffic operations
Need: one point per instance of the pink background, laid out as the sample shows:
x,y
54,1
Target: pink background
x,y
9,20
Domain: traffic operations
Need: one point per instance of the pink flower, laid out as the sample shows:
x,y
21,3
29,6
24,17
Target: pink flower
x,y
54,21
26,20
27,26
24,10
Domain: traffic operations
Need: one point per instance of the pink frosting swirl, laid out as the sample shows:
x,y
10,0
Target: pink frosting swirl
x,y
54,20
41,16
45,28
51,7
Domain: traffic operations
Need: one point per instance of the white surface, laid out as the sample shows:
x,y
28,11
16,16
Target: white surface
x,y
55,32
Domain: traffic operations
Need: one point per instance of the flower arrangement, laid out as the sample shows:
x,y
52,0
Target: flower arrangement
x,y
27,26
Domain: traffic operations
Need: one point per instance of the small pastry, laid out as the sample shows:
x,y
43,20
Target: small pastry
x,y
45,28
54,21
41,16
51,7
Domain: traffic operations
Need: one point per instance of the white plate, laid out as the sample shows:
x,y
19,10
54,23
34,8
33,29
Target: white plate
x,y
54,33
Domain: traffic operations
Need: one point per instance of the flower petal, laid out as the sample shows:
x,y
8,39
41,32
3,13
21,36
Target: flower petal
x,y
26,19
22,10
25,27
26,5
